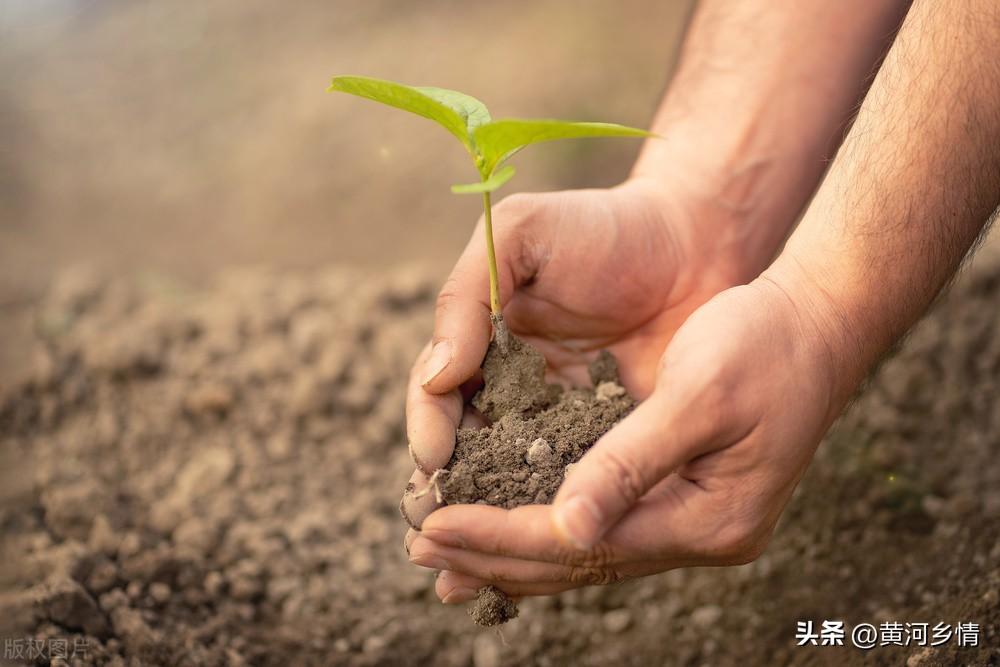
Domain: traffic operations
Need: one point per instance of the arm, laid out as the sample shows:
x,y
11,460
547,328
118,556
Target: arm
x,y
916,182
700,472
758,105
749,118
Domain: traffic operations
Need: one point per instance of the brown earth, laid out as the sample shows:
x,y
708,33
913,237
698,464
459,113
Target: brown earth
x,y
211,477
537,430
535,433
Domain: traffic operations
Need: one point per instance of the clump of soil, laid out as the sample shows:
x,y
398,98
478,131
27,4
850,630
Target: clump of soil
x,y
493,607
537,430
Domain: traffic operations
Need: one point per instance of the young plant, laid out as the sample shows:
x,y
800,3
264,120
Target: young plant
x,y
489,142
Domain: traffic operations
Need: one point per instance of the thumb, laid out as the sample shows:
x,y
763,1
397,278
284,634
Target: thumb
x,y
462,326
617,471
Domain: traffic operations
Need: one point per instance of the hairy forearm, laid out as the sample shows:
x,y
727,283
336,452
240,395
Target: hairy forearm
x,y
915,183
759,102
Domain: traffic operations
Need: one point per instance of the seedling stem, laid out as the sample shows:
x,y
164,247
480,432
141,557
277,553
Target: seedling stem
x,y
496,314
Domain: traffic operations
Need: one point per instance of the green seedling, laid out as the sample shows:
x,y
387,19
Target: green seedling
x,y
489,142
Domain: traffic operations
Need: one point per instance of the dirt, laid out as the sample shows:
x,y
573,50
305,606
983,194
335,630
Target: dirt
x,y
536,431
210,477
493,607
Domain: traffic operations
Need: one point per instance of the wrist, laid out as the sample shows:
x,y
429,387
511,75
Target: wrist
x,y
720,213
744,186
826,324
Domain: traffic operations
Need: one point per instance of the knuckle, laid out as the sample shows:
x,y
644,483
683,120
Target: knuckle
x,y
448,295
600,556
497,575
595,576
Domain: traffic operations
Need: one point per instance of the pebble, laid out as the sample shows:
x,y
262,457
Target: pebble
x,y
207,471
539,452
113,599
617,620
103,576
159,591
707,615
211,398
130,545
279,447
213,584
608,390
374,644
196,534
103,538
360,563
67,603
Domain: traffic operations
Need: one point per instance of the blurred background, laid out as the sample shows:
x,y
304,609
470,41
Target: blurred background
x,y
166,141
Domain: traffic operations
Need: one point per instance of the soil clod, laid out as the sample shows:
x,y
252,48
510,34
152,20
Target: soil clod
x,y
493,607
537,430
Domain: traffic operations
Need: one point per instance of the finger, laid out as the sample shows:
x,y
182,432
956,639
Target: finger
x,y
501,569
523,532
456,588
462,325
419,501
431,421
669,527
619,469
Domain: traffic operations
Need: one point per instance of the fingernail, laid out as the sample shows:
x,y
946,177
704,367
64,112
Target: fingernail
x,y
579,521
445,537
459,594
438,361
430,561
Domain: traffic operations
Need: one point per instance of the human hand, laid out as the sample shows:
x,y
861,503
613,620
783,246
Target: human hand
x,y
697,475
579,271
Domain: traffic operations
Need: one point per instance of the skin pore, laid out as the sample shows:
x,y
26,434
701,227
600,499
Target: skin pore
x,y
751,369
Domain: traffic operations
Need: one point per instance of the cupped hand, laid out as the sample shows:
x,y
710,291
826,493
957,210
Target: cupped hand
x,y
580,271
697,475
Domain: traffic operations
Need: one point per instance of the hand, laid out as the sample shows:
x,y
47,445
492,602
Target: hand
x,y
579,271
697,475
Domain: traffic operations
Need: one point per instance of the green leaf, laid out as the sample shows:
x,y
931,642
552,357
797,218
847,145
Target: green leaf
x,y
489,185
472,110
458,113
500,139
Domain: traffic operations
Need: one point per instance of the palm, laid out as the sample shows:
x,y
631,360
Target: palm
x,y
605,270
